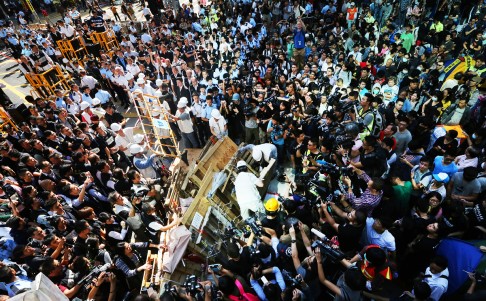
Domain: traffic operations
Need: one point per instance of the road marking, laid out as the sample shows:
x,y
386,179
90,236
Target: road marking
x,y
10,72
13,90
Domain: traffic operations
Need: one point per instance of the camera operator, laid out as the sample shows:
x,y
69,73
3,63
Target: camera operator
x,y
144,187
129,260
372,158
348,233
370,198
258,274
312,152
348,287
154,224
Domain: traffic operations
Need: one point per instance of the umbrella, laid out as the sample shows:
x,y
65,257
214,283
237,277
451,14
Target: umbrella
x,y
218,179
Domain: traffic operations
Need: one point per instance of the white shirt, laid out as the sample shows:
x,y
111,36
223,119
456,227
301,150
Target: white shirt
x,y
438,283
133,69
125,141
185,122
267,149
120,80
217,126
89,81
385,240
247,194
67,30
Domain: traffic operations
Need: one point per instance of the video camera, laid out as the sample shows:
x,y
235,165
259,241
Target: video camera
x,y
333,169
293,282
193,287
254,227
94,273
325,245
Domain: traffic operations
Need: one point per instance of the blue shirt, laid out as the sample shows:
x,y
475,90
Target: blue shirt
x,y
60,103
450,169
206,113
103,96
299,39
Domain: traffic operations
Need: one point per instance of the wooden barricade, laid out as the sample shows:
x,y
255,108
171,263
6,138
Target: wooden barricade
x,y
106,39
70,52
44,86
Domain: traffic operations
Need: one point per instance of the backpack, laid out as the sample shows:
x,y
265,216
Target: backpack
x,y
244,295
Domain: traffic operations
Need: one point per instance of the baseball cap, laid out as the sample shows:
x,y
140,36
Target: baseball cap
x,y
115,127
441,177
135,149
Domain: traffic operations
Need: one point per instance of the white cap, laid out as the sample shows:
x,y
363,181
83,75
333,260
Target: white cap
x,y
181,105
135,149
352,3
84,105
141,75
138,138
65,60
115,127
240,163
441,177
215,114
183,100
158,82
96,101
140,81
257,154
158,93
128,76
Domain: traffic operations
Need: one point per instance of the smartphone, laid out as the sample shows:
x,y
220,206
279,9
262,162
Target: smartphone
x,y
264,280
215,267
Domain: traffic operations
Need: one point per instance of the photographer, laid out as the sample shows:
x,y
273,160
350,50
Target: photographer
x,y
129,260
370,198
348,287
348,233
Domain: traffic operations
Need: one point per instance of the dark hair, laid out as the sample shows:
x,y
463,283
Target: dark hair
x,y
80,226
355,279
360,217
388,141
422,290
440,261
226,284
378,183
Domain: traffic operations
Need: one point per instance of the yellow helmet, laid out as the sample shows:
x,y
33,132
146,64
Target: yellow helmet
x,y
272,205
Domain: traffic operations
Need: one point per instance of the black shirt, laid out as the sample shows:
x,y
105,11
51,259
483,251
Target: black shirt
x,y
349,236
241,267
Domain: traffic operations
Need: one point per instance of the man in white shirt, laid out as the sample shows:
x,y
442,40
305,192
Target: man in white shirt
x,y
246,190
124,138
217,124
437,277
88,80
132,67
377,234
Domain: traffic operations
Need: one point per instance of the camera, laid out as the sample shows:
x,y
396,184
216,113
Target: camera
x,y
193,287
325,246
254,227
293,282
94,273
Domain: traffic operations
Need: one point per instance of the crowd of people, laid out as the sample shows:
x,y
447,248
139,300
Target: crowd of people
x,y
385,142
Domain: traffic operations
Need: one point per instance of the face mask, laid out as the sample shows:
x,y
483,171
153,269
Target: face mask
x,y
405,59
376,91
419,68
434,98
474,136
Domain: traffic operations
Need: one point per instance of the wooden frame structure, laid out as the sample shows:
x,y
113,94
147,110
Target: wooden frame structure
x,y
107,40
42,86
68,51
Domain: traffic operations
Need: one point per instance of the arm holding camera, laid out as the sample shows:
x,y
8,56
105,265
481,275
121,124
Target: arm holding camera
x,y
295,253
322,277
305,239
